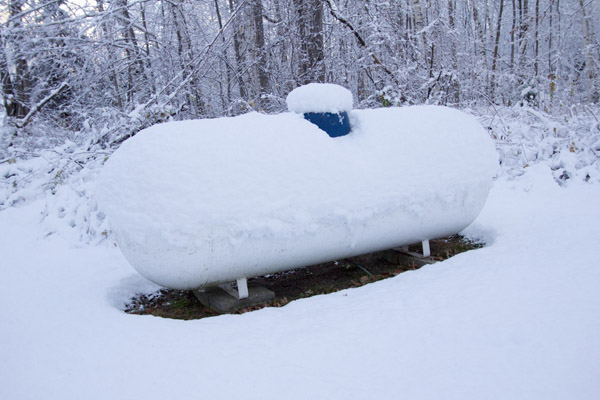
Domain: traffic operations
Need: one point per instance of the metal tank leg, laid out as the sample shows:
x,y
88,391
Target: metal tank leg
x,y
242,289
226,298
242,286
426,249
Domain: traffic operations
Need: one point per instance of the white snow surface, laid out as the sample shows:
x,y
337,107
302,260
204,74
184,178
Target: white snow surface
x,y
209,201
320,98
517,319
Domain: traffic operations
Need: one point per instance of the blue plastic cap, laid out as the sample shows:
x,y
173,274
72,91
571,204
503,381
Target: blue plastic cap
x,y
334,124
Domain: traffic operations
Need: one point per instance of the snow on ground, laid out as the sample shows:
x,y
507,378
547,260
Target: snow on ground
x,y
518,319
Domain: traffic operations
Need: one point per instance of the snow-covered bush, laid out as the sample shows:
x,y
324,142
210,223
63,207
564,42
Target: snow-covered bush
x,y
569,142
62,177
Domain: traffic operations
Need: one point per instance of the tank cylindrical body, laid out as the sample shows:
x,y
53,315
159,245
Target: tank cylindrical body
x,y
198,203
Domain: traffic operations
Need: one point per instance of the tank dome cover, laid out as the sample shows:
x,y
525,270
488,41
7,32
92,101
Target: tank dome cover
x,y
319,98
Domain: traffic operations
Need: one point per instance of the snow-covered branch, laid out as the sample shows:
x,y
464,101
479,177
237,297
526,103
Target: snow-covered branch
x,y
20,123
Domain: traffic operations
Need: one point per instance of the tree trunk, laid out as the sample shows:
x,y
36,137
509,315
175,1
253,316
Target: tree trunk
x,y
537,38
184,49
309,20
19,86
8,94
237,49
523,29
591,73
135,65
452,26
496,48
148,63
551,76
419,24
112,75
259,48
227,101
513,29
480,34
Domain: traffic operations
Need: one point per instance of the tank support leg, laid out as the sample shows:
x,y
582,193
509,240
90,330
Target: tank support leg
x,y
426,249
242,285
242,289
226,298
424,257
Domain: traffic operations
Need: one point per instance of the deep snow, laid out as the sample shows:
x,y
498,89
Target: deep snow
x,y
519,319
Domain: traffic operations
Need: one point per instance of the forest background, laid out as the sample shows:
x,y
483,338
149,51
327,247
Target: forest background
x,y
97,71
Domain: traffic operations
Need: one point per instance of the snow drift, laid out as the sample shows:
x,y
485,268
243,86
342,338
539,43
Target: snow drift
x,y
196,203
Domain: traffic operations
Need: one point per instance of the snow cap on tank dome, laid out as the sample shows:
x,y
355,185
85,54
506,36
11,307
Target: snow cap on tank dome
x,y
319,98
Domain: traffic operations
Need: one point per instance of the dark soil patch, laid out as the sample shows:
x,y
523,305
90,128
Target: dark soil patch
x,y
303,282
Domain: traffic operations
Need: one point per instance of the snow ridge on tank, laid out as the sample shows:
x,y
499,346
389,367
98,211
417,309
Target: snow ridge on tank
x,y
197,203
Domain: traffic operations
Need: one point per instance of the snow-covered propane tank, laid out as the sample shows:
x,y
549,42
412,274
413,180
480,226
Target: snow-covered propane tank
x,y
198,203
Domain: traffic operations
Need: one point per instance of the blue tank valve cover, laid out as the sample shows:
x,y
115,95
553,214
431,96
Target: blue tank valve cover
x,y
334,124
